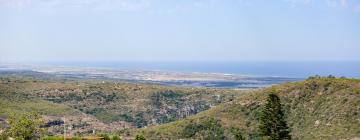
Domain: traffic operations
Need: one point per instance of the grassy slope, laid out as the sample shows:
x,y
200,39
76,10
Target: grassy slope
x,y
323,108
13,100
19,104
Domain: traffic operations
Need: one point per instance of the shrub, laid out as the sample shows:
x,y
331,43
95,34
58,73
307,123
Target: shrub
x,y
104,136
140,137
208,129
116,138
25,126
52,138
191,129
140,120
237,134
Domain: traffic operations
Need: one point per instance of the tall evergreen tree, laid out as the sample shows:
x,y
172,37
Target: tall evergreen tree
x,y
272,123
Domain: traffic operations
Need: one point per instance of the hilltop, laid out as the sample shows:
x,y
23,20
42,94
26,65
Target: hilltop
x,y
318,108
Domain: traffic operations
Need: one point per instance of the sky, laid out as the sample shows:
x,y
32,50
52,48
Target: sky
x,y
179,30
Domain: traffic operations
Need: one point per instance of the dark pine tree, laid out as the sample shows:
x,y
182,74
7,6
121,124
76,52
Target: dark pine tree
x,y
272,123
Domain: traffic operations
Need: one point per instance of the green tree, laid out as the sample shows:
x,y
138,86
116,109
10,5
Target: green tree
x,y
272,123
140,137
209,129
25,126
140,121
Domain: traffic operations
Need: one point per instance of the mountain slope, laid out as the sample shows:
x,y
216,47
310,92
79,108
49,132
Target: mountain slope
x,y
318,108
105,105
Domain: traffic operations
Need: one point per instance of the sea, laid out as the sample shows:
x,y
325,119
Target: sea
x,y
295,69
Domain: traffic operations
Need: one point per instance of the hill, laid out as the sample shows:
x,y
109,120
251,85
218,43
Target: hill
x,y
318,108
105,106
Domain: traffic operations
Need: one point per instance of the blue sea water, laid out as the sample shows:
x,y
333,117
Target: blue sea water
x,y
298,69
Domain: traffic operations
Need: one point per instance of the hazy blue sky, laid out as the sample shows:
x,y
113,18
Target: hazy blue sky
x,y
179,30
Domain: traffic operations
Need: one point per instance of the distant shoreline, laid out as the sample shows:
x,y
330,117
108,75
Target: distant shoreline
x,y
296,69
166,78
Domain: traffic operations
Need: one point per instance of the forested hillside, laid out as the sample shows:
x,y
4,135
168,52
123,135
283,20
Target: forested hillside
x,y
318,108
106,106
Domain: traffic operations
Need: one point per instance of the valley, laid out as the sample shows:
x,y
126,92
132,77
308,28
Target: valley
x,y
96,105
316,108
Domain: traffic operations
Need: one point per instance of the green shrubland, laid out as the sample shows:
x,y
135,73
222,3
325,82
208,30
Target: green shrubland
x,y
317,108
